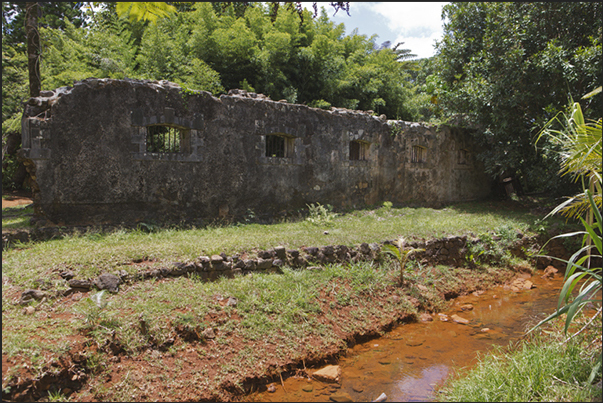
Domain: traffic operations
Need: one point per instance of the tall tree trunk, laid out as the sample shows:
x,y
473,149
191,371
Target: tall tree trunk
x,y
33,48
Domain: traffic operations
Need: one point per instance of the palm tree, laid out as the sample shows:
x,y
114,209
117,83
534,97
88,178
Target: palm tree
x,y
580,142
398,251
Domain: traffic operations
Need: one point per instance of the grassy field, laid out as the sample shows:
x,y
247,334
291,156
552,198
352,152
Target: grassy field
x,y
90,254
210,340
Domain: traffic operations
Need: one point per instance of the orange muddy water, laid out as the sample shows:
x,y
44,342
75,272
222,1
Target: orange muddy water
x,y
412,360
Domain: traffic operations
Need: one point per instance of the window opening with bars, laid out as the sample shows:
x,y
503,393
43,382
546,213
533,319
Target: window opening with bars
x,y
418,154
358,150
279,146
164,139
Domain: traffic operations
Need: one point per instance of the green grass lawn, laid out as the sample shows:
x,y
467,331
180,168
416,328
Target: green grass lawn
x,y
300,311
92,253
17,217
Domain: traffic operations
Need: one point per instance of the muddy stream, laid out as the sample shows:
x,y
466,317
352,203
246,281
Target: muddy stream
x,y
411,361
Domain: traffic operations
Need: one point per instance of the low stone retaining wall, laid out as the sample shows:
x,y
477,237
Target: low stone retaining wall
x,y
451,251
12,237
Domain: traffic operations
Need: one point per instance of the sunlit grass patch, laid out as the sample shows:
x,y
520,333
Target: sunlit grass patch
x,y
284,308
17,217
267,305
34,335
543,369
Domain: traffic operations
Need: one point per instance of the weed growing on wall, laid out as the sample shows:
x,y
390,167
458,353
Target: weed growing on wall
x,y
395,128
492,248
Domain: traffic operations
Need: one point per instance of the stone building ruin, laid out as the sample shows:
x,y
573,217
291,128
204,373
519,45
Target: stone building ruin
x,y
124,151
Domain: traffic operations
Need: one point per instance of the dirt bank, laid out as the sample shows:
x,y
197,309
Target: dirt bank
x,y
16,198
191,363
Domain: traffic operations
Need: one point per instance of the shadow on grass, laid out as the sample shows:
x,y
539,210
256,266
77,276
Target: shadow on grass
x,y
17,217
530,211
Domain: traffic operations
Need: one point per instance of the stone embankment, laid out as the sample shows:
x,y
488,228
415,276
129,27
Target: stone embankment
x,y
451,251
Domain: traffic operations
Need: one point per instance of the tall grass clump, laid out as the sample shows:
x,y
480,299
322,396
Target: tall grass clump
x,y
540,370
581,156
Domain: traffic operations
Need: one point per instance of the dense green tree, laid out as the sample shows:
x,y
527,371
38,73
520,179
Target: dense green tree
x,y
75,54
50,15
507,68
368,82
145,11
14,90
423,101
21,23
165,53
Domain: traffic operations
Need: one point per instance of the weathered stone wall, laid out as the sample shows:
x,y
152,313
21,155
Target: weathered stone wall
x,y
86,150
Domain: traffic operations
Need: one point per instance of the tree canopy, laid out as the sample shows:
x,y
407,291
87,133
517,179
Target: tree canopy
x,y
283,52
508,68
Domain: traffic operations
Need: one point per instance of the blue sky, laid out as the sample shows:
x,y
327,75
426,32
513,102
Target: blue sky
x,y
418,25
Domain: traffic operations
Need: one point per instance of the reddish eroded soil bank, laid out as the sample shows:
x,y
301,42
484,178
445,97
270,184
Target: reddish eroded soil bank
x,y
186,368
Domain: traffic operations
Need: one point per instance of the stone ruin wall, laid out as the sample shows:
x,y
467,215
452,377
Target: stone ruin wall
x,y
86,149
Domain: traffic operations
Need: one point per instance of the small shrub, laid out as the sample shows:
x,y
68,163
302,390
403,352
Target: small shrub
x,y
57,396
321,215
401,254
491,248
320,103
541,226
147,227
250,216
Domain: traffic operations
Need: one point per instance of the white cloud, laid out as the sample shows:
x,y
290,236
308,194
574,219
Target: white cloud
x,y
421,46
418,25
409,18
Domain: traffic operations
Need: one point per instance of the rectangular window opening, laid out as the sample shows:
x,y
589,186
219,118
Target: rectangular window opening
x,y
164,139
278,146
462,157
358,150
419,154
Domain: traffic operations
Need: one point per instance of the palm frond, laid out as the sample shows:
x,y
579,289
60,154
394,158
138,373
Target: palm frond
x,y
146,11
